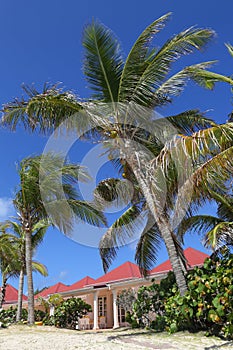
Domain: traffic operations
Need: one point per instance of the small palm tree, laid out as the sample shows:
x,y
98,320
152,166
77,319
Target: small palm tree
x,y
38,232
13,264
37,177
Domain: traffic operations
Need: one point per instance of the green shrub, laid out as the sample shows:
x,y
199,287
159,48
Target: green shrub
x,y
49,321
159,324
24,315
40,315
126,298
68,313
208,304
149,307
9,316
131,318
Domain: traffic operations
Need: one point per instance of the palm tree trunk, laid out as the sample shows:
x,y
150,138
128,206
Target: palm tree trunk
x,y
28,248
162,222
177,265
3,290
20,296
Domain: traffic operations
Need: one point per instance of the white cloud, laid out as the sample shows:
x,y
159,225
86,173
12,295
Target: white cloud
x,y
63,274
6,208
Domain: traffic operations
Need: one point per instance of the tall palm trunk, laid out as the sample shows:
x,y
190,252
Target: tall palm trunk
x,y
177,265
28,253
3,290
163,223
20,296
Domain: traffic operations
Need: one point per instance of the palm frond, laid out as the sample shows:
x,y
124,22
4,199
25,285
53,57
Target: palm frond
x,y
39,231
221,235
112,191
48,192
225,208
157,69
230,49
137,59
64,212
17,228
212,175
200,146
39,267
225,205
87,212
103,62
148,246
197,224
197,164
123,229
41,111
58,179
208,79
7,248
184,123
174,85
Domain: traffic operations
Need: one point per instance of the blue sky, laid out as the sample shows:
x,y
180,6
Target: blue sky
x,y
41,41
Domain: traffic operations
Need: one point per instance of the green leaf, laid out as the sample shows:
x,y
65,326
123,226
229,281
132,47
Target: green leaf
x,y
216,302
103,62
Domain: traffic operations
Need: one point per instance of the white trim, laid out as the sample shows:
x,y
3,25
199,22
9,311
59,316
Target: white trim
x,y
95,309
115,309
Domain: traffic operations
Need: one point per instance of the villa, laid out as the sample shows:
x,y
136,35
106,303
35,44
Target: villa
x,y
102,293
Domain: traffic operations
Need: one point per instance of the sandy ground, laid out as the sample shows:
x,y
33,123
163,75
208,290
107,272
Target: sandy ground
x,y
46,338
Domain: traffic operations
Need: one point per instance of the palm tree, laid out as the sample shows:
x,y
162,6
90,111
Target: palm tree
x,y
39,176
13,263
38,232
132,89
8,261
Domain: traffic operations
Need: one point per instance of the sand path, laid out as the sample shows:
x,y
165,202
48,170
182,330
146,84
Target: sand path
x,y
51,338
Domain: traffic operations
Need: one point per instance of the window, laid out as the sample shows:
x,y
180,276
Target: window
x,y
102,306
121,314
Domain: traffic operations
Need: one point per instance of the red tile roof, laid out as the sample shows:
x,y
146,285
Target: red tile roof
x,y
80,284
56,288
194,258
11,295
127,270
